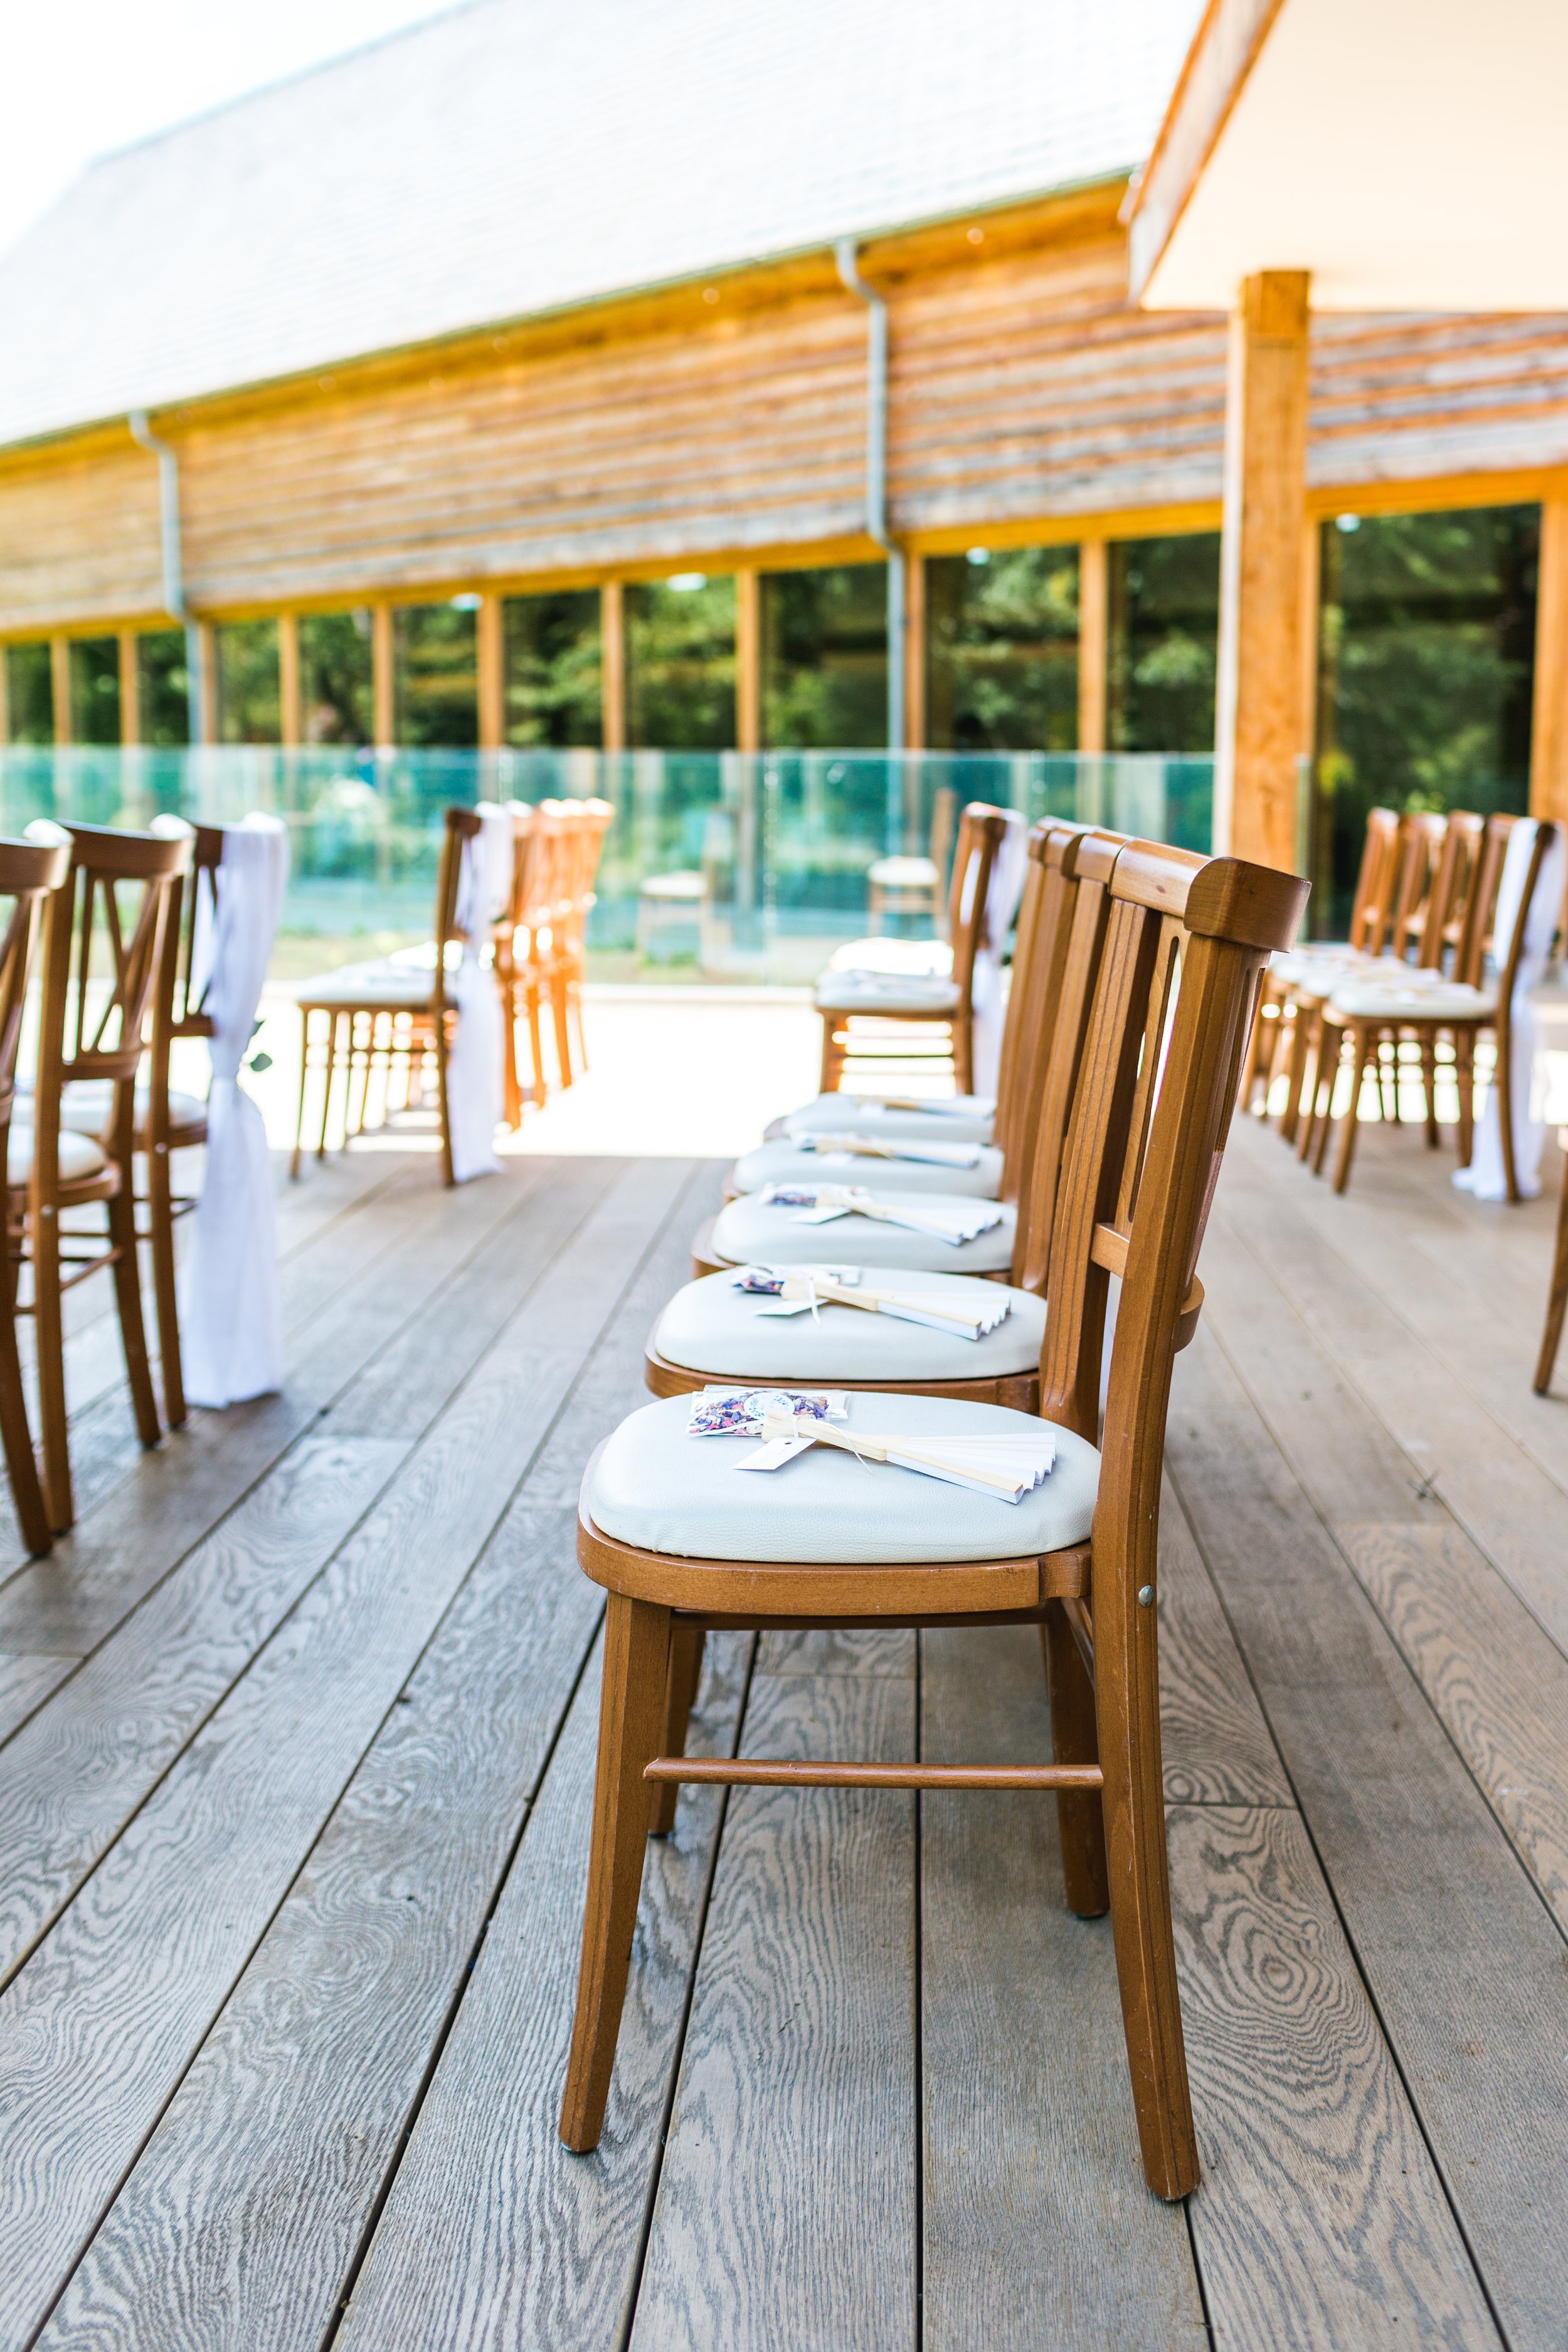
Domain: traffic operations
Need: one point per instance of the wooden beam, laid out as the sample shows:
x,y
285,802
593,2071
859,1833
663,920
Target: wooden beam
x,y
130,690
748,660
914,652
60,686
1093,642
383,700
288,713
1223,50
1549,733
207,638
5,696
492,679
613,665
1257,735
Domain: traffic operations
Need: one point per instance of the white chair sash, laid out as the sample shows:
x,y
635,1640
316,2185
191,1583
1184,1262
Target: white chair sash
x,y
1008,869
475,1094
231,1317
1484,1177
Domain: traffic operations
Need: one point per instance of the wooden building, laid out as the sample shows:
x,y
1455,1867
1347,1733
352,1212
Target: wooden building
x,y
397,440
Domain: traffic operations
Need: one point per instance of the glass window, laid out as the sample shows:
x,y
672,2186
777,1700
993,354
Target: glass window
x,y
551,657
825,657
1426,669
95,689
163,689
337,699
436,675
248,702
1165,633
1002,650
30,694
680,664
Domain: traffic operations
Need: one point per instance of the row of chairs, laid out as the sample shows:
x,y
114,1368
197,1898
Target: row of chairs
x,y
1420,981
385,1025
974,1247
95,974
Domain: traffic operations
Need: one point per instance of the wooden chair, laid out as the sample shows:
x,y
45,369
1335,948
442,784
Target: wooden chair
x,y
694,1342
389,1016
30,874
913,886
511,968
1362,1015
944,1005
1556,1299
546,925
847,1544
588,823
104,945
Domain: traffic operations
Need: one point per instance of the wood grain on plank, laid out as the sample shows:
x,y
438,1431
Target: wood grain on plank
x,y
1463,1961
25,1681
1215,1743
312,2069
98,2028
493,2234
1038,2228
787,2200
1321,2220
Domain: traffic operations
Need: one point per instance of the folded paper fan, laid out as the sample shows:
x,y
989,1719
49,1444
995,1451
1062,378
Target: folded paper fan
x,y
940,1107
947,1221
867,1147
1005,1467
740,1413
800,1288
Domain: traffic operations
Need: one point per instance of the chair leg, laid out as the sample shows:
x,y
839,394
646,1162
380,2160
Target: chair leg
x,y
1080,1816
1556,1300
448,1176
327,1082
1503,1079
685,1647
49,1326
1429,1082
1126,1682
631,1719
1465,1079
21,1461
304,1071
832,1056
128,1298
1363,1044
963,1059
161,1218
535,1035
562,1035
1316,1065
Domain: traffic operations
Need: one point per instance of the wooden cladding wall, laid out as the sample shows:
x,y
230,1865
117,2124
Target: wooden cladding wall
x,y
1024,389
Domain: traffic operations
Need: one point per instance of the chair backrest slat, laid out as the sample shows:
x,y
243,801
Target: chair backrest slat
x,y
30,873
1376,882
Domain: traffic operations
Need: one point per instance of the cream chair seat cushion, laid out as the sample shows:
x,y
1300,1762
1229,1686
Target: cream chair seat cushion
x,y
785,1163
654,1486
751,1232
917,959
88,1104
712,1327
1363,1000
972,1125
378,986
873,991
80,1157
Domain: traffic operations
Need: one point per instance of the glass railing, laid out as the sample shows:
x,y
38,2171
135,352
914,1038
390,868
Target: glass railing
x,y
719,865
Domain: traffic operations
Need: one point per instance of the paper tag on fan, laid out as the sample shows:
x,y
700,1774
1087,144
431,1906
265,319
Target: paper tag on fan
x,y
792,1306
818,1216
775,1456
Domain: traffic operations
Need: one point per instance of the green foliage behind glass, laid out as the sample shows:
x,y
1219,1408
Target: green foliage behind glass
x,y
30,694
552,667
337,699
1427,670
1002,650
95,689
248,701
435,670
825,657
680,665
1163,636
163,689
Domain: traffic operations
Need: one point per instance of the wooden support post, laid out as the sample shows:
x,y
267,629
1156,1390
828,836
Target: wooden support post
x,y
748,662
1549,735
1093,642
613,665
914,653
5,696
130,690
60,686
289,681
206,639
493,678
384,704
1258,723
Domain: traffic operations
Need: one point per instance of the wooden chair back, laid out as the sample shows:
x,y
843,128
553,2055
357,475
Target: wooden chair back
x,y
103,956
972,887
943,817
462,826
1376,882
182,1004
30,873
1420,853
1480,907
1022,1013
1448,893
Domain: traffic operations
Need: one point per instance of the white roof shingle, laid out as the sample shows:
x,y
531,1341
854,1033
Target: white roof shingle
x,y
512,157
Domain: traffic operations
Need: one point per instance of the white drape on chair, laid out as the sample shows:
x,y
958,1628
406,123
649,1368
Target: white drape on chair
x,y
474,1093
1484,1177
231,1320
1008,869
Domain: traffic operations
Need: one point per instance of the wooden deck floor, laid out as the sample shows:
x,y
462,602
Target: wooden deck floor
x,y
294,1798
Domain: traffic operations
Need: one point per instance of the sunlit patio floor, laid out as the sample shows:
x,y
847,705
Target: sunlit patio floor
x,y
294,1795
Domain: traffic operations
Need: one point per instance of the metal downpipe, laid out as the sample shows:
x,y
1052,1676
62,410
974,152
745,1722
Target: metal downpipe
x,y
174,603
844,252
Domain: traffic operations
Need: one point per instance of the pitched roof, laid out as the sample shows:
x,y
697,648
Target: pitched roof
x,y
512,157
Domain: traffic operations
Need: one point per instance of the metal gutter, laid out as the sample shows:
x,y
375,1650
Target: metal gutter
x,y
174,601
844,252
